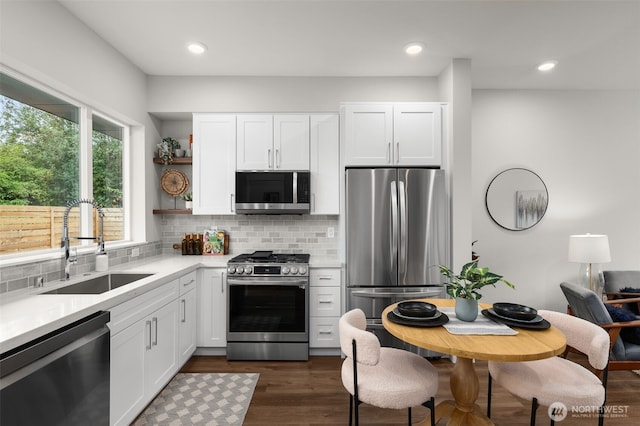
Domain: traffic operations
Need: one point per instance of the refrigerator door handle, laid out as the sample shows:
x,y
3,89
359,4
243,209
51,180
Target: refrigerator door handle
x,y
402,257
394,225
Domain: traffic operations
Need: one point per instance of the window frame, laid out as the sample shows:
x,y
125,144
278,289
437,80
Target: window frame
x,y
85,113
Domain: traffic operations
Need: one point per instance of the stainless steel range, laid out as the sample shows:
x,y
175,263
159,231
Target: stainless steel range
x,y
268,306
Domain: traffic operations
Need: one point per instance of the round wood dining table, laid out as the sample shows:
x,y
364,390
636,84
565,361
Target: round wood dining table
x,y
527,345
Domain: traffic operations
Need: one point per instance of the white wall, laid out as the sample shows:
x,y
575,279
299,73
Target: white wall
x,y
585,145
280,94
43,41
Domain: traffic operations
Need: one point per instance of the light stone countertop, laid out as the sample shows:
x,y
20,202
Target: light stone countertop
x,y
26,314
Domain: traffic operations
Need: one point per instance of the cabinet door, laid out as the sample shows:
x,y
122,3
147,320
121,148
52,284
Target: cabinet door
x,y
417,133
162,359
254,149
291,142
212,308
325,164
127,387
214,151
368,134
187,325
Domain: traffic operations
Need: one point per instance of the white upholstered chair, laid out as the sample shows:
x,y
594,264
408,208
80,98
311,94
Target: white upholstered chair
x,y
557,379
380,376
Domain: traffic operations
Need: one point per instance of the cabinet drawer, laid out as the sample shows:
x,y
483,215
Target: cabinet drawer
x,y
323,332
324,301
127,313
325,277
187,282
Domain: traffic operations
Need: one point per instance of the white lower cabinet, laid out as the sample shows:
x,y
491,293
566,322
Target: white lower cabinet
x,y
144,349
212,308
187,317
325,306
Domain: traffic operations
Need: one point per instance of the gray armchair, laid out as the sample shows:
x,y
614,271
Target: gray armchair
x,y
585,304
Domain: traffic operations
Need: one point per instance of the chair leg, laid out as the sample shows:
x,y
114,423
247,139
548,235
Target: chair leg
x,y
409,415
431,405
350,409
489,396
534,408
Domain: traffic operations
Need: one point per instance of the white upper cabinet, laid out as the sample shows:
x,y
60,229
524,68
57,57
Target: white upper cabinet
x,y
255,142
325,164
273,142
368,134
214,157
417,134
398,134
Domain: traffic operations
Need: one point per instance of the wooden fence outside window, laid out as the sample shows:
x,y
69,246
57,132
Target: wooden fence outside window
x,y
29,228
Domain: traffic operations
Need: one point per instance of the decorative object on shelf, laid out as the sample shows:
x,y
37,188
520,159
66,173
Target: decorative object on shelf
x,y
590,251
167,148
188,200
516,199
465,287
474,255
174,182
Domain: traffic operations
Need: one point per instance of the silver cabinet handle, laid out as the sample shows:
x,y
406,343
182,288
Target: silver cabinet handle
x,y
269,158
155,334
184,310
277,162
397,153
325,301
222,282
232,205
148,325
325,278
325,332
189,283
389,153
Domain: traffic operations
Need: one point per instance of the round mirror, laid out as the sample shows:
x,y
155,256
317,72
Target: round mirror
x,y
517,199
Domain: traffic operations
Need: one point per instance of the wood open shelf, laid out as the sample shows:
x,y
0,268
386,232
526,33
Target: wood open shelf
x,y
172,211
175,161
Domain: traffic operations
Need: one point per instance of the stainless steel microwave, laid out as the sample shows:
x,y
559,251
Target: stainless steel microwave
x,y
273,192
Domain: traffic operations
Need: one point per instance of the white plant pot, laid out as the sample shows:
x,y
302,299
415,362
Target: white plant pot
x,y
188,205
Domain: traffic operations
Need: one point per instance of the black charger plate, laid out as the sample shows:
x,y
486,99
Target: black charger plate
x,y
419,322
540,325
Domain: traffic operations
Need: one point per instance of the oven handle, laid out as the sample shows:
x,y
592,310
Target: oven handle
x,y
270,281
377,294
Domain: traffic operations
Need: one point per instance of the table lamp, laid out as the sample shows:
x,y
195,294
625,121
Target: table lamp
x,y
590,251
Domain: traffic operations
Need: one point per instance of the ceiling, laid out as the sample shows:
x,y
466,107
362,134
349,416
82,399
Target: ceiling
x,y
596,43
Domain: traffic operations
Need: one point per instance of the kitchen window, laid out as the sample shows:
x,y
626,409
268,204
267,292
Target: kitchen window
x,y
52,151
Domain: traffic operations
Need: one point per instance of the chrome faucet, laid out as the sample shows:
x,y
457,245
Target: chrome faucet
x,y
68,260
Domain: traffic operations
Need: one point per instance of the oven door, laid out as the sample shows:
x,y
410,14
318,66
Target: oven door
x,y
266,309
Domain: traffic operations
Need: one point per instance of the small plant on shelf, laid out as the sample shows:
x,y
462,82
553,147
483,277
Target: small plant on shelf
x,y
166,148
187,196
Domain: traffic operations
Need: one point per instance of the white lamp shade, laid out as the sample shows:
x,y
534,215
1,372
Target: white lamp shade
x,y
589,248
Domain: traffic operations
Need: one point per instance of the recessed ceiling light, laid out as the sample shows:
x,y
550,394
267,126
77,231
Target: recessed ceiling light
x,y
196,47
547,66
414,48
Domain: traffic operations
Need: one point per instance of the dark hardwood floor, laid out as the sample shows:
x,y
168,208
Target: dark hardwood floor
x,y
311,393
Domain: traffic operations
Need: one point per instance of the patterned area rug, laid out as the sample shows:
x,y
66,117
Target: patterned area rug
x,y
201,399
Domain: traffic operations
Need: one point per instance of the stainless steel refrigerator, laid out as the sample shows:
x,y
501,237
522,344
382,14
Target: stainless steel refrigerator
x,y
397,232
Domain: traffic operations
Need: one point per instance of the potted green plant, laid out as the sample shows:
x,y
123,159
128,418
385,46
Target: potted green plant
x,y
188,200
166,149
465,286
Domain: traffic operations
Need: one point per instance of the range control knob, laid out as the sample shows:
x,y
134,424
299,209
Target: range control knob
x,y
294,270
231,269
285,270
303,270
248,269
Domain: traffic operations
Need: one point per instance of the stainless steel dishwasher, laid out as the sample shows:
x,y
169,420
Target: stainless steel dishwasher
x,y
61,378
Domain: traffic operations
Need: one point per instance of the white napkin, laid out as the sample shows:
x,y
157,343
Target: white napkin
x,y
482,325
